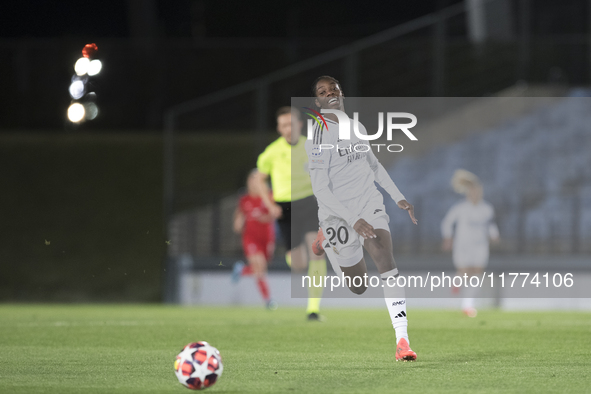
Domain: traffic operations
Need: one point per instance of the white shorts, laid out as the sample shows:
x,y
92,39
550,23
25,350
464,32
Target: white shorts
x,y
343,244
468,257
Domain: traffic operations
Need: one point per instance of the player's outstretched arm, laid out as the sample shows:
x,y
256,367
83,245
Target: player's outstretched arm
x,y
447,228
239,219
493,230
403,204
383,178
265,194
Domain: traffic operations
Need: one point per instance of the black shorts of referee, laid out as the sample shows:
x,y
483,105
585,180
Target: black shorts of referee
x,y
299,217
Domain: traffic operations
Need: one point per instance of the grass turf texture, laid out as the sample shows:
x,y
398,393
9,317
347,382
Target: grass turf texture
x,y
131,349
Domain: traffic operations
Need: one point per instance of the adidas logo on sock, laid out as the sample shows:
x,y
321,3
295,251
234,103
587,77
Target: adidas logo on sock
x,y
401,314
402,302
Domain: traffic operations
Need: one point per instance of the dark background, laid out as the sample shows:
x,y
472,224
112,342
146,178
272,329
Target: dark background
x,y
209,18
159,53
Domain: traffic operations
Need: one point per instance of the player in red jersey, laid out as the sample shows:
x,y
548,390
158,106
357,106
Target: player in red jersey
x,y
253,221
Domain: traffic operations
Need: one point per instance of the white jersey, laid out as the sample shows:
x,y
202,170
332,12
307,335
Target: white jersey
x,y
343,176
474,226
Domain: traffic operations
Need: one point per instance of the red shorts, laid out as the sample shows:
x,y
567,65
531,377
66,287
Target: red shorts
x,y
254,246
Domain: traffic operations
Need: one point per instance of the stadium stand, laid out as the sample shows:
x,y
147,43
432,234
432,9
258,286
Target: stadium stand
x,y
536,171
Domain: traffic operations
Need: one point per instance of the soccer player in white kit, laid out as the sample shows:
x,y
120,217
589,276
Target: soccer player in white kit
x,y
351,210
473,219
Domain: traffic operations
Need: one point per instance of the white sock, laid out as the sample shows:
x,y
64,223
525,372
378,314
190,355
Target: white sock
x,y
402,333
469,293
396,302
467,303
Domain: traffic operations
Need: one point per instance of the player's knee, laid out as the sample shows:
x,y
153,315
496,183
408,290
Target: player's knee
x,y
358,289
384,258
380,252
258,271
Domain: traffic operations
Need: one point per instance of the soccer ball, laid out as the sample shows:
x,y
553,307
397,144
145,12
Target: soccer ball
x,y
198,366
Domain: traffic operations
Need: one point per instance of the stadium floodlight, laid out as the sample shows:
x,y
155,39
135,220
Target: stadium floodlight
x,y
91,111
76,112
77,89
82,66
94,67
83,106
89,50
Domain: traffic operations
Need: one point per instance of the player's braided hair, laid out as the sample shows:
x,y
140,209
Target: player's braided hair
x,y
313,89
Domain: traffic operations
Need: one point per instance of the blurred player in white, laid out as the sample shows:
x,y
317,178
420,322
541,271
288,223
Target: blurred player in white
x,y
473,219
351,209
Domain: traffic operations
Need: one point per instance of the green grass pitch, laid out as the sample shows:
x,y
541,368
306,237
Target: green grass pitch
x,y
131,349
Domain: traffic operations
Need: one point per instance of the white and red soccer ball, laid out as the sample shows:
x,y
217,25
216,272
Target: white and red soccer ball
x,y
198,366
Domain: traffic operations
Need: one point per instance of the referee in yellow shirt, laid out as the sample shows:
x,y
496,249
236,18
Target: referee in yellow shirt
x,y
286,162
